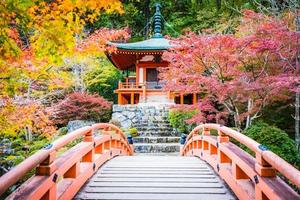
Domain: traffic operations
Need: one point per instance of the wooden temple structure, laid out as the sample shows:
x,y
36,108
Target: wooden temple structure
x,y
143,59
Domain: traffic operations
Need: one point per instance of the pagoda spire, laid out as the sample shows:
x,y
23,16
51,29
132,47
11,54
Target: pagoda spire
x,y
157,22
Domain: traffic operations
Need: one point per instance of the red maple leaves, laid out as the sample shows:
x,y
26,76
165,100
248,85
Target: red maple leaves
x,y
243,72
80,106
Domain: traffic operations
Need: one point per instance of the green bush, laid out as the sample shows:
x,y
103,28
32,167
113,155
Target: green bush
x,y
276,140
178,119
133,132
21,149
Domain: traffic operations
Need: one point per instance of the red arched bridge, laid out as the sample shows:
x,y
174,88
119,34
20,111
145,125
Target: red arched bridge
x,y
102,166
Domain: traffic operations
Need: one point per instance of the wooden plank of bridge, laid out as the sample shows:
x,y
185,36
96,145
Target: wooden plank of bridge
x,y
155,177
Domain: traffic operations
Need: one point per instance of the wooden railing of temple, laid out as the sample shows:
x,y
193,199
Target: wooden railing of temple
x,y
130,85
62,177
249,177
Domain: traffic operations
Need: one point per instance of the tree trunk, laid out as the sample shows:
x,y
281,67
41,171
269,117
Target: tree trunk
x,y
237,122
28,134
218,3
249,107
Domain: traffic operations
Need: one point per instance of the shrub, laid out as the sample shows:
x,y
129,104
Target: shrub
x,y
276,140
81,106
179,117
21,149
133,132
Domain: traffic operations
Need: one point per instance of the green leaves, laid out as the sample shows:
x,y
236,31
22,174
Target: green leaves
x,y
103,79
276,140
178,119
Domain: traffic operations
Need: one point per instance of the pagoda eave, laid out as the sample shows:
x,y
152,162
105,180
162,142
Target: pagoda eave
x,y
138,52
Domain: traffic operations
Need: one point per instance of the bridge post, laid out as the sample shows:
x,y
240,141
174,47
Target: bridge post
x,y
47,168
89,157
205,145
262,167
222,138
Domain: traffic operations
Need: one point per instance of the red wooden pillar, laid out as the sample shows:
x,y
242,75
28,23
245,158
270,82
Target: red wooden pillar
x,y
194,98
181,98
120,101
137,76
132,98
144,92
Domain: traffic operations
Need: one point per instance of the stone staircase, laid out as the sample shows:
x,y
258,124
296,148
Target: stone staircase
x,y
156,134
151,120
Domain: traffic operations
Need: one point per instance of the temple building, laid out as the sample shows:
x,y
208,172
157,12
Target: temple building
x,y
143,60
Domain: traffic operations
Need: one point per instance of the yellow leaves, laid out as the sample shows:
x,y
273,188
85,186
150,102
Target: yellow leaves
x,y
51,32
14,118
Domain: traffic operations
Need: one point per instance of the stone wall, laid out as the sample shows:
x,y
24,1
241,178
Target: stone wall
x,y
129,115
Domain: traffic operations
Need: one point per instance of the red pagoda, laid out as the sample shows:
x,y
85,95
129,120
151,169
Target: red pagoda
x,y
143,59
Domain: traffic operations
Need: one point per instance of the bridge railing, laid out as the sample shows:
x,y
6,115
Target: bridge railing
x,y
248,177
62,177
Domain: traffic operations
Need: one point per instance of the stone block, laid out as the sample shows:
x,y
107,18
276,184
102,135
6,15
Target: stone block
x,y
118,117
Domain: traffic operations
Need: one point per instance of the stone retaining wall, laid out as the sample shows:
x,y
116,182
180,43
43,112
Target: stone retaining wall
x,y
128,115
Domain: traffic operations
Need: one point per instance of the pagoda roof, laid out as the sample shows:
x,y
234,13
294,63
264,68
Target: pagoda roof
x,y
127,54
156,44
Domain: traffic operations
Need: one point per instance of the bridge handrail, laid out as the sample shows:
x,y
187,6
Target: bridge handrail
x,y
274,160
44,155
266,162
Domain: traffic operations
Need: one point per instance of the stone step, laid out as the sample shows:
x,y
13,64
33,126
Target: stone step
x,y
159,131
155,129
155,140
156,148
155,134
153,124
154,121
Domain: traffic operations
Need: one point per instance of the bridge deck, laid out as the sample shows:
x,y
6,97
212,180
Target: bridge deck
x,y
155,177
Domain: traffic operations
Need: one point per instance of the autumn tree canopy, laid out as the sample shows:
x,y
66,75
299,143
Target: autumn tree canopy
x,y
243,72
39,41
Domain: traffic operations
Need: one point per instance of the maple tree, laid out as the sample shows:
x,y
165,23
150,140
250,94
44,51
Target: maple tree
x,y
28,120
243,72
38,41
80,106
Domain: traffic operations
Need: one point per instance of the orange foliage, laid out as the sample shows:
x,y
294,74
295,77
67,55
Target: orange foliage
x,y
36,38
17,118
